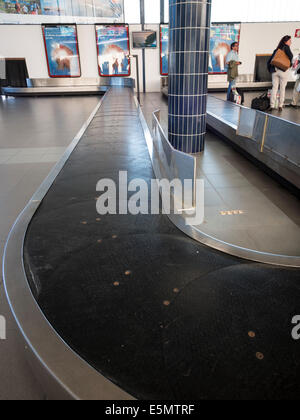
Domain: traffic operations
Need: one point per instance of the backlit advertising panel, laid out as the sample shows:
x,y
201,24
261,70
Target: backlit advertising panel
x,y
113,50
62,52
221,38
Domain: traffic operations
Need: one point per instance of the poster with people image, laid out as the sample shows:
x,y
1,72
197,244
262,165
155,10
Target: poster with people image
x,y
104,11
62,53
21,7
113,50
221,38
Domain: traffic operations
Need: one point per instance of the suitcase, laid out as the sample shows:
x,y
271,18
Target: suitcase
x,y
237,99
262,103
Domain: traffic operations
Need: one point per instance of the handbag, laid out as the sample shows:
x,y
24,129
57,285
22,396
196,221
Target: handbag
x,y
281,60
262,103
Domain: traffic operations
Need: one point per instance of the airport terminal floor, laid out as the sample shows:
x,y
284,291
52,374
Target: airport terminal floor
x,y
34,134
149,227
159,314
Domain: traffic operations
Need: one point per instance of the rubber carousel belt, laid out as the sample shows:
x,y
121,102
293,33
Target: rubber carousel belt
x,y
157,313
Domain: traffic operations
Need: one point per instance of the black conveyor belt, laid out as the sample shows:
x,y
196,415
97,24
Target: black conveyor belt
x,y
176,327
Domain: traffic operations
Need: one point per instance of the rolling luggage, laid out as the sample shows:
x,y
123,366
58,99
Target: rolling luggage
x,y
237,96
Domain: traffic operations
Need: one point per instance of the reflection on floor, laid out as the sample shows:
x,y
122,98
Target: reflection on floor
x,y
244,206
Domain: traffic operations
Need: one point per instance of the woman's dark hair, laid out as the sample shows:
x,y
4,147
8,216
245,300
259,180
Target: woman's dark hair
x,y
233,45
283,42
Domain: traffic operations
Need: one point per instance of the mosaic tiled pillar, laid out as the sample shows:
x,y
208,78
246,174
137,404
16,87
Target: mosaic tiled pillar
x,y
188,73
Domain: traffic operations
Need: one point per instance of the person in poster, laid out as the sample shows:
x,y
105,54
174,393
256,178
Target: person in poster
x,y
222,37
62,51
164,50
113,50
20,7
34,8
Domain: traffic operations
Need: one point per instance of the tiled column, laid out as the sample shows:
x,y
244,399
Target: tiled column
x,y
188,73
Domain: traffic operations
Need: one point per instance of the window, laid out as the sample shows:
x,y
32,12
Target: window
x,y
152,11
251,10
166,11
132,11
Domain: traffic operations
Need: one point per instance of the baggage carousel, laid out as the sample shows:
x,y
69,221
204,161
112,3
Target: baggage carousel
x,y
124,307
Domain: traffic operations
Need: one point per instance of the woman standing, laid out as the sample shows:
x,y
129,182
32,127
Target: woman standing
x,y
280,77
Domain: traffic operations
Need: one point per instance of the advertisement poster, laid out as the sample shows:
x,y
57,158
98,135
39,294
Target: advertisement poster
x,y
105,11
221,38
20,7
62,50
113,50
164,50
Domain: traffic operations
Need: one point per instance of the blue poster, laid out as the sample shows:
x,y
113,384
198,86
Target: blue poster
x,y
62,50
113,50
164,50
221,38
50,7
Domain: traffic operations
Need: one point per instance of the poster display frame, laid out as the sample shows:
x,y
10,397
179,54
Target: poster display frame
x,y
47,55
212,25
161,26
239,38
126,25
12,18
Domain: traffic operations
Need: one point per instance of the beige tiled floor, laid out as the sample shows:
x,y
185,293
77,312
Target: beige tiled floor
x,y
34,133
270,221
30,155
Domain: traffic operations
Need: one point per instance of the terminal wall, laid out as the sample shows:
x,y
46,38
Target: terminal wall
x,y
263,38
26,41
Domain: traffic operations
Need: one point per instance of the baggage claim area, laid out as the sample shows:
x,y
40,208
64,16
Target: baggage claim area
x,y
149,202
